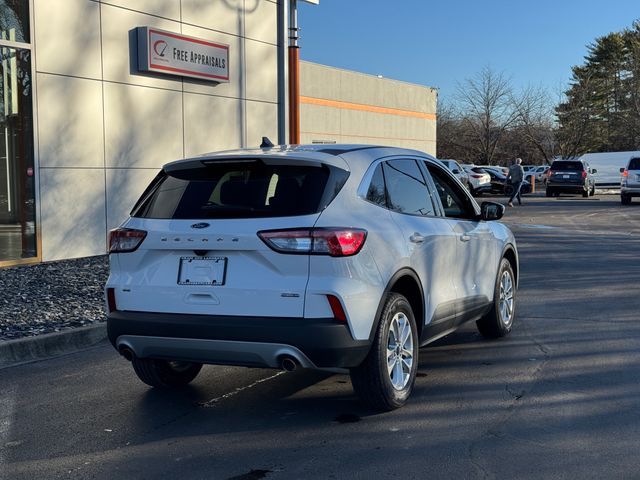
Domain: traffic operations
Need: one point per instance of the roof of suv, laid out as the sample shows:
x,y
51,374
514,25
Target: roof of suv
x,y
360,153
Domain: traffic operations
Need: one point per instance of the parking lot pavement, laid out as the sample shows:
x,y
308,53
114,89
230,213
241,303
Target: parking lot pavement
x,y
558,398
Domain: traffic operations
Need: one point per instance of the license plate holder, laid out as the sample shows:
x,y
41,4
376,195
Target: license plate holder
x,y
566,176
202,271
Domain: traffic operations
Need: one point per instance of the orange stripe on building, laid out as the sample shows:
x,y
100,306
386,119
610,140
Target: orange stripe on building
x,y
365,108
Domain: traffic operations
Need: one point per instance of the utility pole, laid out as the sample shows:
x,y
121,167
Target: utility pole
x,y
294,75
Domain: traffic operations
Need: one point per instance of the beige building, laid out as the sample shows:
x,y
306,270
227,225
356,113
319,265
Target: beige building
x,y
342,106
96,95
84,129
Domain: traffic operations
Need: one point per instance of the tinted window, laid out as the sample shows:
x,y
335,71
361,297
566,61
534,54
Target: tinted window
x,y
406,188
376,192
564,166
240,190
454,202
634,164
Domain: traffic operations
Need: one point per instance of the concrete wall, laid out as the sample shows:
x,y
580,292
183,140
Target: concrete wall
x,y
351,107
104,129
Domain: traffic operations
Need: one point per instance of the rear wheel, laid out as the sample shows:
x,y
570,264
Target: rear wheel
x,y
165,374
385,379
498,322
625,199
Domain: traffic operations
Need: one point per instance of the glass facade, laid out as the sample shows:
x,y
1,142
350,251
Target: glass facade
x,y
17,171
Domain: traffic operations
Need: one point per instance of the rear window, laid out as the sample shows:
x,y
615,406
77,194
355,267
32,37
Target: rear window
x,y
564,166
240,189
634,164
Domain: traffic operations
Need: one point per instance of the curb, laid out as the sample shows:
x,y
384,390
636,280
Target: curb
x,y
41,347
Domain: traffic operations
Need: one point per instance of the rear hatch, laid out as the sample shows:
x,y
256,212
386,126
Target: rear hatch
x,y
567,172
201,253
633,173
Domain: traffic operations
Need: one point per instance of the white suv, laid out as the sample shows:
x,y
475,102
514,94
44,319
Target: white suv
x,y
326,257
630,182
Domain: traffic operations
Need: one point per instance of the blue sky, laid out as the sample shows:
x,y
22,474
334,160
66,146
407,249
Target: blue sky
x,y
443,42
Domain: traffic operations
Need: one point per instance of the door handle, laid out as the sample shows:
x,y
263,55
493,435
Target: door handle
x,y
416,238
465,238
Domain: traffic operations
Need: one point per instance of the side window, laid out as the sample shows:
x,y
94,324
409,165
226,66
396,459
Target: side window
x,y
406,188
376,191
454,202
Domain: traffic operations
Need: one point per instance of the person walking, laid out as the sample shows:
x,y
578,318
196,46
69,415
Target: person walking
x,y
515,179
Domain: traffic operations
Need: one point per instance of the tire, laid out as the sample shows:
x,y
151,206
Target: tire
x,y
376,385
585,194
165,374
508,190
625,199
499,321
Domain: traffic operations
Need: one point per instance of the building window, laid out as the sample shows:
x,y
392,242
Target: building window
x,y
17,170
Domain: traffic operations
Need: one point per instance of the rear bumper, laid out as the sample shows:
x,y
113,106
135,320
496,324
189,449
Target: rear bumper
x,y
630,191
567,187
235,340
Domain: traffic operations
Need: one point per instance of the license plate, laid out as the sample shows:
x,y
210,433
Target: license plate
x,y
202,270
566,176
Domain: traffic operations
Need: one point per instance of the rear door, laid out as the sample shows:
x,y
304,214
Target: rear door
x,y
429,238
633,178
202,254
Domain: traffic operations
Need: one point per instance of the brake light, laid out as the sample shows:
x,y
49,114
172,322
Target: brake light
x,y
122,240
625,173
335,242
550,172
476,176
584,174
336,308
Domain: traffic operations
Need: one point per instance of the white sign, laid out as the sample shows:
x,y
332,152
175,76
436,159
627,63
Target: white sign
x,y
175,54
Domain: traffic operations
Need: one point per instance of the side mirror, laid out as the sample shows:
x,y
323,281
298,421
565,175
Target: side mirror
x,y
593,170
491,211
622,170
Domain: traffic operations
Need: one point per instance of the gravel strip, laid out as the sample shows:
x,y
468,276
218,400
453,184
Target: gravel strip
x,y
51,297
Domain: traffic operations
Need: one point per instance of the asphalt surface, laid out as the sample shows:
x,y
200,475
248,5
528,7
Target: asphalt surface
x,y
558,398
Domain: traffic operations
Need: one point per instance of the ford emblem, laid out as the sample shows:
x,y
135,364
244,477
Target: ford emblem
x,y
200,225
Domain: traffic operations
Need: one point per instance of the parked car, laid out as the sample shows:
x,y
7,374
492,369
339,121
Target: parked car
x,y
497,168
570,176
630,183
539,172
500,186
479,180
332,258
458,171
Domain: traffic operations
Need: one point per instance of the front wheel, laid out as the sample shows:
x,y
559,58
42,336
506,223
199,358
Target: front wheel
x,y
625,199
385,379
499,321
165,374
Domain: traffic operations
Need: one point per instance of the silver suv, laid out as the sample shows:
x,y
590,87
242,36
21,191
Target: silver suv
x,y
630,183
347,258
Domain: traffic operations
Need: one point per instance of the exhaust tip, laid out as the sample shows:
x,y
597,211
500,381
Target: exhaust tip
x,y
288,364
127,353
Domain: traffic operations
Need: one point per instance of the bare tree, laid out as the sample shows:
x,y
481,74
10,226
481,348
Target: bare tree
x,y
486,109
535,120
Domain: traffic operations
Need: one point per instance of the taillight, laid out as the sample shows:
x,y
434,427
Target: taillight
x,y
476,176
122,240
550,172
625,173
335,242
584,174
336,308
